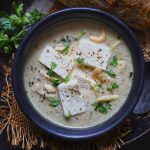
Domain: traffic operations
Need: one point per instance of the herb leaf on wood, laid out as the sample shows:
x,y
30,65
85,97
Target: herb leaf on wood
x,y
13,27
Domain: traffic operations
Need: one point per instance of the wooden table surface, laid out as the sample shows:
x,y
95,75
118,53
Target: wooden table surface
x,y
142,144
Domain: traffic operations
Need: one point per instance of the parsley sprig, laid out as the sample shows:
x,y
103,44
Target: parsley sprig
x,y
114,61
113,86
13,27
66,49
111,73
80,60
54,102
102,107
98,86
51,69
68,116
55,79
81,34
66,43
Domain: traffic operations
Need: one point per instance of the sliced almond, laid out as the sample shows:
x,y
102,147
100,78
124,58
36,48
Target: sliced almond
x,y
94,90
117,43
106,98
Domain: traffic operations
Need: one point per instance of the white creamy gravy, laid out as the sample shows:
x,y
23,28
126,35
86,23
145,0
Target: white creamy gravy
x,y
72,30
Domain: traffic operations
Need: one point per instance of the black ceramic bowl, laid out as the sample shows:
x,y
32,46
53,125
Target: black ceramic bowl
x,y
23,51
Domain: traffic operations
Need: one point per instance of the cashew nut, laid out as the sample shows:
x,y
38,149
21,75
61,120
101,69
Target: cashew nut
x,y
99,39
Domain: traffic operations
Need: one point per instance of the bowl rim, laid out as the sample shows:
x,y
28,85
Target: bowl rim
x,y
91,132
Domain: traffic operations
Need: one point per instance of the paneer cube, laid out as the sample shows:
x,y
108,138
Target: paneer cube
x,y
85,86
64,63
71,98
94,54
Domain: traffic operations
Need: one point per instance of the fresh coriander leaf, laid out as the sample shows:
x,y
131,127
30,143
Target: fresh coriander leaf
x,y
51,70
5,25
66,79
68,116
80,60
5,43
4,39
18,9
16,39
102,107
53,65
19,35
98,86
54,102
66,49
80,35
111,73
25,20
15,26
55,81
113,86
114,61
15,19
34,16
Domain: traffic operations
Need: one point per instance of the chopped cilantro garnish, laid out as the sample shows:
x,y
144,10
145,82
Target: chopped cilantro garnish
x,y
55,81
98,86
111,73
102,107
66,49
80,35
80,60
67,116
53,65
114,61
54,102
50,70
114,85
66,79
